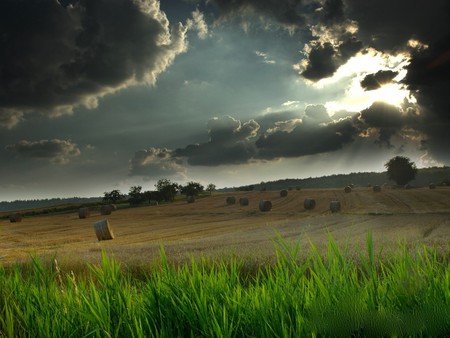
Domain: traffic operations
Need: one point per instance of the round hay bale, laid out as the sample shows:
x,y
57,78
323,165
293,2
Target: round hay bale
x,y
15,217
243,201
231,200
190,199
84,213
265,205
283,193
348,189
376,188
103,230
335,206
298,188
309,203
106,209
432,186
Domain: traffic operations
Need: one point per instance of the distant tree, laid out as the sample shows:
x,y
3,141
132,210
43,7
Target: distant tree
x,y
167,189
113,196
135,195
245,188
192,189
152,196
401,170
211,187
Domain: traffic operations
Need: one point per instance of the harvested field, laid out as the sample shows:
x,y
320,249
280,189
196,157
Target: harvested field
x,y
212,227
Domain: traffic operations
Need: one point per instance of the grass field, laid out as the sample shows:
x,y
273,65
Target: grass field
x,y
380,267
211,227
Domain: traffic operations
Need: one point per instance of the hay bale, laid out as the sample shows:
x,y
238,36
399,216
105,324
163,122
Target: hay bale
x,y
376,188
15,217
298,188
231,200
243,201
309,203
348,189
265,205
335,206
84,213
283,193
106,209
103,230
190,199
432,186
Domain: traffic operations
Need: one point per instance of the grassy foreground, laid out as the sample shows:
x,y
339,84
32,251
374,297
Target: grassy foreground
x,y
338,295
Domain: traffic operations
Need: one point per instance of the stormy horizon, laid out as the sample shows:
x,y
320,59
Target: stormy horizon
x,y
97,95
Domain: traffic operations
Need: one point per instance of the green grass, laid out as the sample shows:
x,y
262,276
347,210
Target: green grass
x,y
337,294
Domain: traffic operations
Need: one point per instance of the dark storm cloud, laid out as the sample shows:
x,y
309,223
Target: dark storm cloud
x,y
56,151
428,78
230,142
55,57
306,139
332,11
386,118
380,78
388,25
289,13
325,57
155,162
321,62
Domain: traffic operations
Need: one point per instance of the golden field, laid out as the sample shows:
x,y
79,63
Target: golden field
x,y
209,227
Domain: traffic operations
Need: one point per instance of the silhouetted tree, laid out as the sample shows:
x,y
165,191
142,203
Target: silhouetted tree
x,y
113,196
401,170
192,189
135,195
211,187
167,189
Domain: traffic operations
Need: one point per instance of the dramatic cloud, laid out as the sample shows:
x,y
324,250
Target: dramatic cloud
x,y
156,163
230,142
388,25
428,79
377,80
198,23
56,56
290,13
385,118
306,138
56,151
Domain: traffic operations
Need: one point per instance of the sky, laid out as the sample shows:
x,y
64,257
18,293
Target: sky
x,y
97,95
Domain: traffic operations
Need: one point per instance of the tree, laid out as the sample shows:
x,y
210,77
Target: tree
x,y
211,187
152,196
192,189
135,195
167,189
113,196
401,170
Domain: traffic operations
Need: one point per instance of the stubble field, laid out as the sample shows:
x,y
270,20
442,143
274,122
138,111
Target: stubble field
x,y
209,227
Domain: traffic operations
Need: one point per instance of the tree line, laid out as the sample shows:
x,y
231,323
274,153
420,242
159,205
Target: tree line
x,y
165,191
